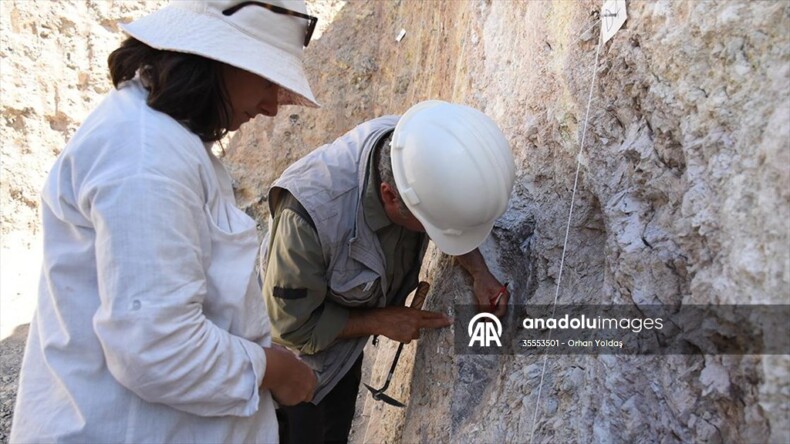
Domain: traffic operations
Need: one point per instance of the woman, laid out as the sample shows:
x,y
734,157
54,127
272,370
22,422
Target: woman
x,y
150,325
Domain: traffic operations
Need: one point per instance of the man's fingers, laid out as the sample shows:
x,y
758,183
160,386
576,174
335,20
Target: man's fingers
x,y
425,314
434,315
436,320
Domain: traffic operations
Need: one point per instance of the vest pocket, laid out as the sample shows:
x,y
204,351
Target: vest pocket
x,y
355,287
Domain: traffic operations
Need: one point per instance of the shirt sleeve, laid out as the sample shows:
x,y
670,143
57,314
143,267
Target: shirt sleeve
x,y
150,259
295,287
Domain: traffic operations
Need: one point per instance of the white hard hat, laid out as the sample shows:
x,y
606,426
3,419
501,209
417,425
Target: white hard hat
x,y
454,171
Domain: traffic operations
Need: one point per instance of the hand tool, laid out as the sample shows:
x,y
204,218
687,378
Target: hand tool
x,y
495,300
378,395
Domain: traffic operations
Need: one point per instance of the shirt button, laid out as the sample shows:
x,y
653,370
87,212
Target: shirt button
x,y
136,305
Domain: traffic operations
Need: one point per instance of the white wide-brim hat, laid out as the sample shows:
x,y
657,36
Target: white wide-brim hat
x,y
253,38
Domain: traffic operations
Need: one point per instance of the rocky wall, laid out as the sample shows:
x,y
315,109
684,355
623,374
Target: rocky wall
x,y
683,197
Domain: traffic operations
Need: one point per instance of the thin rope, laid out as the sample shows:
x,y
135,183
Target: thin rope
x,y
591,27
567,232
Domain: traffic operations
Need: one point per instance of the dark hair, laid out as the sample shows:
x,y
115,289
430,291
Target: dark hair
x,y
187,87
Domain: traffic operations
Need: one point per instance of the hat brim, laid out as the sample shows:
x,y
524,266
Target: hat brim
x,y
457,245
173,29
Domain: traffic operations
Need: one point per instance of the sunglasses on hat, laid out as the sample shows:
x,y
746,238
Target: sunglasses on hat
x,y
311,20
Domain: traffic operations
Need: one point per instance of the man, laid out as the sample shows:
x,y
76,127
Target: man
x,y
350,225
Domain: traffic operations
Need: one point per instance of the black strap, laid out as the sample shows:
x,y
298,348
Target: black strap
x,y
287,201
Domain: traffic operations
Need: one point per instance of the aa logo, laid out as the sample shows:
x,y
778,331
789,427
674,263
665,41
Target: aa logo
x,y
483,332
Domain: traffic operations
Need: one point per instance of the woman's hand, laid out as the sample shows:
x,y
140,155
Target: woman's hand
x,y
290,380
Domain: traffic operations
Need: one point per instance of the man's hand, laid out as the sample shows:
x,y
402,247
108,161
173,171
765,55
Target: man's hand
x,y
403,324
400,324
490,294
290,380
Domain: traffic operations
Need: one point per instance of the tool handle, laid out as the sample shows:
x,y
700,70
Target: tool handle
x,y
417,301
395,361
420,295
392,368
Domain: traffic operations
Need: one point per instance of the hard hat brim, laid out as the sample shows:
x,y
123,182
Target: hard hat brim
x,y
458,244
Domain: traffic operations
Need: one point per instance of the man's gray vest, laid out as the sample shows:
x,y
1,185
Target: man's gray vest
x,y
329,183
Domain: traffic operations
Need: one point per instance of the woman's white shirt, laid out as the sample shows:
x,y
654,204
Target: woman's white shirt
x,y
150,324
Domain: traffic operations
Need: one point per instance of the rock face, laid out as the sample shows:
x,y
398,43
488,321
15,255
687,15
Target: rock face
x,y
54,71
682,198
683,194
